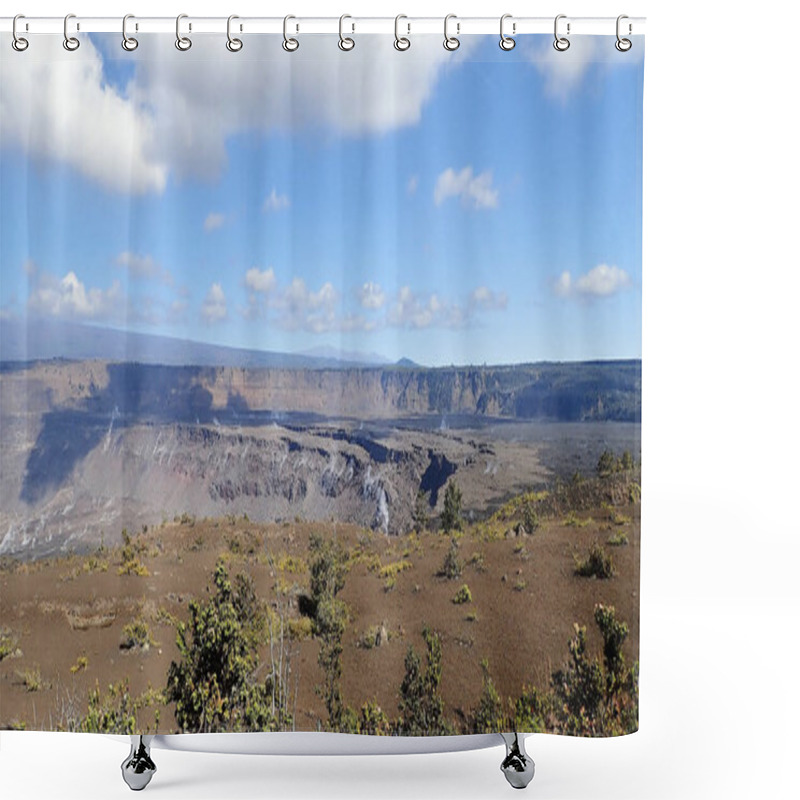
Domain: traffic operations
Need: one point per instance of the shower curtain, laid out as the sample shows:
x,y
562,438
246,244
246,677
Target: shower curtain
x,y
320,383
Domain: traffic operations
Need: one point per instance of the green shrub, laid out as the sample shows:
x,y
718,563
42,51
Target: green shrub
x,y
463,595
451,513
421,704
488,716
131,550
136,636
452,567
8,643
213,685
597,564
618,539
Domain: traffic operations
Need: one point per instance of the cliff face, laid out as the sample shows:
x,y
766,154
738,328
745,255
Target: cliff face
x,y
601,391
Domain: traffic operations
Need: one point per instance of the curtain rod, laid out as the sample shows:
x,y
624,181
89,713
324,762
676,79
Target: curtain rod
x,y
461,26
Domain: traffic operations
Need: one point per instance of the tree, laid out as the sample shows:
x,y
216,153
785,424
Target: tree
x,y
489,716
328,567
606,464
626,462
593,698
420,515
451,514
213,685
421,705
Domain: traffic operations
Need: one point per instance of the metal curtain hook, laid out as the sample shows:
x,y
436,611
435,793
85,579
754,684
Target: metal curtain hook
x,y
289,45
401,42
233,44
19,43
561,43
451,42
128,42
181,42
70,42
346,42
506,42
623,45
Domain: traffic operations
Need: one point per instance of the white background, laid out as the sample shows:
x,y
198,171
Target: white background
x,y
720,554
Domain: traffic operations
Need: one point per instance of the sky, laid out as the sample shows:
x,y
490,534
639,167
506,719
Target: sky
x,y
467,207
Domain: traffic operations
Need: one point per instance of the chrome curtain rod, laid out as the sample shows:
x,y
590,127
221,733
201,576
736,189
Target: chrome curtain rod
x,y
460,26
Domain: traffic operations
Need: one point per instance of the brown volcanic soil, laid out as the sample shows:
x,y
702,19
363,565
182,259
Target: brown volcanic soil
x,y
58,610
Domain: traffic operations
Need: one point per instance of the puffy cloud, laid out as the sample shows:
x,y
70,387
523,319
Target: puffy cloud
x,y
63,109
143,267
600,281
275,202
484,298
474,190
69,298
564,72
213,221
175,116
215,307
371,296
260,280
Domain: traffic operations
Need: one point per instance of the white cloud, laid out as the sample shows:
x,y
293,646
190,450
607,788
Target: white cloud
x,y
600,281
69,298
413,183
484,298
175,116
215,307
213,221
143,267
474,190
275,202
260,280
64,110
371,296
564,72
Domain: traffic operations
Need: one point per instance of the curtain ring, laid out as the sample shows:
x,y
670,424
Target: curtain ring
x,y
506,42
345,42
289,45
623,45
401,42
70,42
451,42
128,42
561,43
18,42
181,42
233,44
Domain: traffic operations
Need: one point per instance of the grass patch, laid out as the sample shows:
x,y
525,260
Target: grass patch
x,y
31,679
573,521
597,564
293,564
136,636
477,561
463,595
619,539
520,585
131,550
8,643
300,628
472,616
81,664
395,568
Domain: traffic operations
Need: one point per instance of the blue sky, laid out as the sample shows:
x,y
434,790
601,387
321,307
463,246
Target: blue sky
x,y
470,207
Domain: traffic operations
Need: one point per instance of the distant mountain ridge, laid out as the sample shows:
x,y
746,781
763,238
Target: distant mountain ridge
x,y
40,340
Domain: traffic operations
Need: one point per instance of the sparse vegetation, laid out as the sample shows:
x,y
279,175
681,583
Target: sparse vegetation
x,y
488,716
131,550
136,636
421,513
619,539
214,685
452,566
597,564
8,643
421,704
451,513
463,595
31,679
81,664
